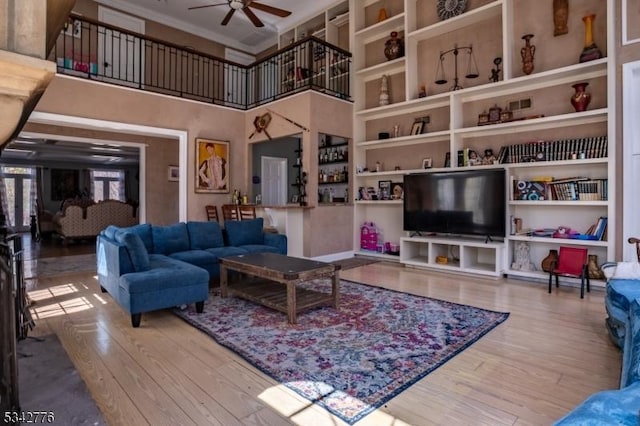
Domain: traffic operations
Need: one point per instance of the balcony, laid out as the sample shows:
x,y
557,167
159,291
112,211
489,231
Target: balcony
x,y
97,51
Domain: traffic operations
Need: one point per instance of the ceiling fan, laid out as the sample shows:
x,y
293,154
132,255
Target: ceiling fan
x,y
245,5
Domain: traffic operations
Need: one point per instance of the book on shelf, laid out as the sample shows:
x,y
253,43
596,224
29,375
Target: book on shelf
x,y
599,229
578,189
556,150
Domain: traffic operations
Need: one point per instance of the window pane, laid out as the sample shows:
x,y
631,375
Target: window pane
x,y
98,192
27,207
114,190
10,186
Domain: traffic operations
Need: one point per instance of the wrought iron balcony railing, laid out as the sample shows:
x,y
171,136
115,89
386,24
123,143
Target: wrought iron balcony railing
x,y
98,51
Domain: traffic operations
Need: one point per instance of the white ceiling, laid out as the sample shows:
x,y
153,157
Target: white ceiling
x,y
239,33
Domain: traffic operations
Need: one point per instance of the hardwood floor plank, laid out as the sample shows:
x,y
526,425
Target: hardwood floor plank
x,y
548,356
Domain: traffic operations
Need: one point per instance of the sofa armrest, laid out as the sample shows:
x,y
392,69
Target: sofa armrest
x,y
278,241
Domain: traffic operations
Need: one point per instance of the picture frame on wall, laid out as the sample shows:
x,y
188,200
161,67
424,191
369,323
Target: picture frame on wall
x,y
65,183
212,166
427,163
173,174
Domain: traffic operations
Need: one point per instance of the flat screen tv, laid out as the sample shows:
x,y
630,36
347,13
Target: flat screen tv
x,y
469,202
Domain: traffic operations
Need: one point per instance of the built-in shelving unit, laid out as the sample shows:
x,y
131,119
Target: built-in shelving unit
x,y
494,29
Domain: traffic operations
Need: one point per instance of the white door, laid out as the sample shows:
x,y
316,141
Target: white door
x,y
274,181
120,56
236,78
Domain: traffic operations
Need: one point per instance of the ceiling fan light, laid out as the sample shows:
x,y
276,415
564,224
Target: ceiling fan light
x,y
236,4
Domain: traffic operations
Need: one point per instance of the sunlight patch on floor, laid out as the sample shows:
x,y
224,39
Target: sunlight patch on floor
x,y
59,290
65,307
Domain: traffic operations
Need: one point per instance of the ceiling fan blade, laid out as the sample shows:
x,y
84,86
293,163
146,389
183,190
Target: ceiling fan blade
x,y
269,9
209,5
228,16
252,16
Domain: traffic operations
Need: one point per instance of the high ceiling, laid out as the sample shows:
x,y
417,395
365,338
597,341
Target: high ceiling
x,y
239,33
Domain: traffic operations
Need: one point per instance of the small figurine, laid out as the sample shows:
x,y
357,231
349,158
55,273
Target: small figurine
x,y
423,92
489,158
495,72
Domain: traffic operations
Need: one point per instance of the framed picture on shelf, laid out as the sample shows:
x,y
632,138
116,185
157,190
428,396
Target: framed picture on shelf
x,y
417,127
427,163
384,189
212,166
295,198
447,159
397,191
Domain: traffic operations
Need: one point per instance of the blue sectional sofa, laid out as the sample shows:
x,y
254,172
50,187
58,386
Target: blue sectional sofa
x,y
620,406
147,267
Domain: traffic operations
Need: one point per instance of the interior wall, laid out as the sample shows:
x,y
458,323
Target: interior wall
x,y
136,107
625,53
159,31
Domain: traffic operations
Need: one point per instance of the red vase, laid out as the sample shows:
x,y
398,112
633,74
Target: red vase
x,y
581,98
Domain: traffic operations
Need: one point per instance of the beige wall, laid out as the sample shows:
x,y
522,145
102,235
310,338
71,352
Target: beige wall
x,y
327,229
322,114
75,97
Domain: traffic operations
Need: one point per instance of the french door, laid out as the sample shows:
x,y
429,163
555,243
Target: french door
x,y
19,195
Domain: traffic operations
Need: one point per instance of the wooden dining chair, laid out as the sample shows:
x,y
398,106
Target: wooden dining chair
x,y
247,212
230,212
572,262
212,213
636,241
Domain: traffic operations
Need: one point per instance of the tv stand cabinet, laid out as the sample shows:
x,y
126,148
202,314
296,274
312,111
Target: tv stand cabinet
x,y
462,255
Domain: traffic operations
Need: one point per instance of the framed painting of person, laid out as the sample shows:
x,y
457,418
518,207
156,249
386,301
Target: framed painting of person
x,y
212,166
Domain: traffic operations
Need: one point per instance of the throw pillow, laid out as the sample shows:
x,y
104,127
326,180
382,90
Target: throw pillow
x,y
170,239
627,271
144,232
137,251
205,235
244,232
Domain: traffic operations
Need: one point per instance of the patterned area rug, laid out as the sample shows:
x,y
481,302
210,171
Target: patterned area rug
x,y
353,360
39,268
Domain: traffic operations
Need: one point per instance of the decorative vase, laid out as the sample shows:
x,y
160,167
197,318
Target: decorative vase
x,y
590,51
384,91
527,52
382,14
560,17
548,262
581,98
593,270
394,47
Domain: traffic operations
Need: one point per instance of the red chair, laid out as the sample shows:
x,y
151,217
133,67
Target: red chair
x,y
572,262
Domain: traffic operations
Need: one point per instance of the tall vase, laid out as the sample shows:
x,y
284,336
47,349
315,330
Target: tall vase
x,y
528,53
394,47
581,98
547,262
590,51
384,91
593,270
560,17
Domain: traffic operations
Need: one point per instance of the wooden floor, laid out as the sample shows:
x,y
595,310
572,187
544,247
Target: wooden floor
x,y
550,354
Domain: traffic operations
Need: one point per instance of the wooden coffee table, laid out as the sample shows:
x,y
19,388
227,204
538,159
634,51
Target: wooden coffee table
x,y
278,287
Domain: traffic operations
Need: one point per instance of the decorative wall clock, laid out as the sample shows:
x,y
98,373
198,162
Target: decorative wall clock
x,y
450,8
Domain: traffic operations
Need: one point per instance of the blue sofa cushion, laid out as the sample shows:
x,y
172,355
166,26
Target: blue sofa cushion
x,y
219,252
144,232
205,235
243,232
278,241
612,407
259,248
170,239
194,257
137,251
164,273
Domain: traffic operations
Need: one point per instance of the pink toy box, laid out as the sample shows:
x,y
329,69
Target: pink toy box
x,y
369,236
